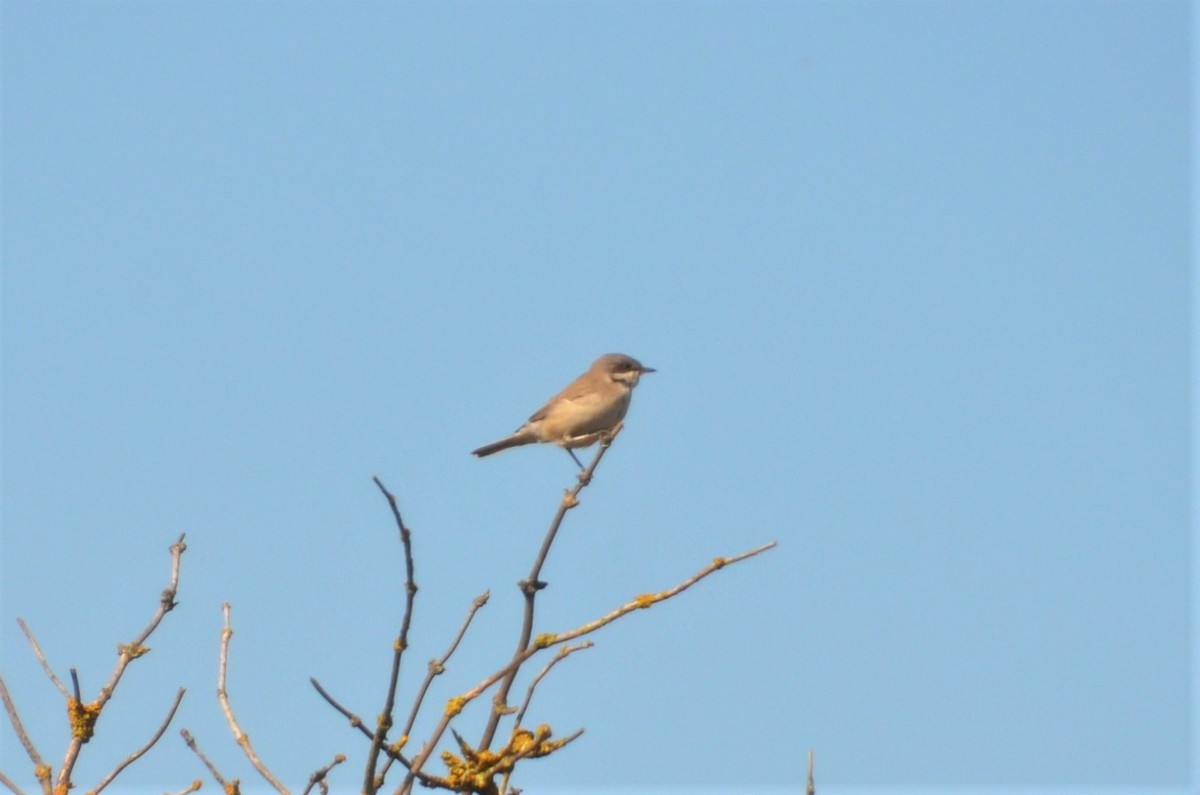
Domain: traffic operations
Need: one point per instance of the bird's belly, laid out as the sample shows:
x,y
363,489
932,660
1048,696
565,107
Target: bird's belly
x,y
584,416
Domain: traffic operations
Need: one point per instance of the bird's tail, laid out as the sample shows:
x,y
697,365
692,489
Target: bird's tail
x,y
516,440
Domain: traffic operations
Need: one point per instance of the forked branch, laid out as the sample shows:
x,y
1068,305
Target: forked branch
x,y
83,716
136,755
456,704
532,584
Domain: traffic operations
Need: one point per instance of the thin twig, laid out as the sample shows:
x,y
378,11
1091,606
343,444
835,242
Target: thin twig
x,y
240,736
550,639
135,648
530,750
8,782
371,782
129,760
40,768
531,585
41,658
230,787
193,787
357,723
436,668
75,685
811,786
563,653
128,653
318,777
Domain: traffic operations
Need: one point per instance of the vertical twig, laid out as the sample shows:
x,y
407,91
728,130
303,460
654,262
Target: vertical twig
x,y
811,787
370,782
240,736
531,585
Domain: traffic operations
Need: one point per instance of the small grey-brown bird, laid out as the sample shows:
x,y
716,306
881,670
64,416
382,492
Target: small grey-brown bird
x,y
590,406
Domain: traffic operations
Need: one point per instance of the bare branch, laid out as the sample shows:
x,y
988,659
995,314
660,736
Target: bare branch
x,y
229,787
392,751
129,760
40,768
41,658
8,782
317,779
531,585
563,653
456,704
193,787
84,716
436,668
136,647
240,736
648,600
371,782
355,721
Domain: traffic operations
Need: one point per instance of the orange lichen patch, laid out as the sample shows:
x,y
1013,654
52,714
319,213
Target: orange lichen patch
x,y
455,705
476,771
645,600
83,719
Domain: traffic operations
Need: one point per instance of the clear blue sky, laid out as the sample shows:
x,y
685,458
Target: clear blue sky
x,y
915,276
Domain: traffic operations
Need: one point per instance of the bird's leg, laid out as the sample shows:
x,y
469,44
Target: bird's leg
x,y
571,453
606,437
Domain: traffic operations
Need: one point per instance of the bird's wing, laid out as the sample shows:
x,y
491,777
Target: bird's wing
x,y
573,391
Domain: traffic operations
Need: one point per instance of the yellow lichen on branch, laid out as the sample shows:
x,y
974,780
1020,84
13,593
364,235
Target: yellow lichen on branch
x,y
83,719
132,650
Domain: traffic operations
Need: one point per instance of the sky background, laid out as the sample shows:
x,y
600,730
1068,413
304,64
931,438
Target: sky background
x,y
915,276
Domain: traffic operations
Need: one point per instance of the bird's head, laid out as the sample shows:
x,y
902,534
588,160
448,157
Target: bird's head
x,y
621,368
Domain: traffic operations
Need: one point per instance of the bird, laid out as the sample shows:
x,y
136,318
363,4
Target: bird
x,y
590,406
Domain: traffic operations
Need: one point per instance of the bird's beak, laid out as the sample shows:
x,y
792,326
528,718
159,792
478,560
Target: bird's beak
x,y
645,370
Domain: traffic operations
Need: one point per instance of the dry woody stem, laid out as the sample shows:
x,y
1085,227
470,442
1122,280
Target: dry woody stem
x,y
476,769
82,716
240,736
